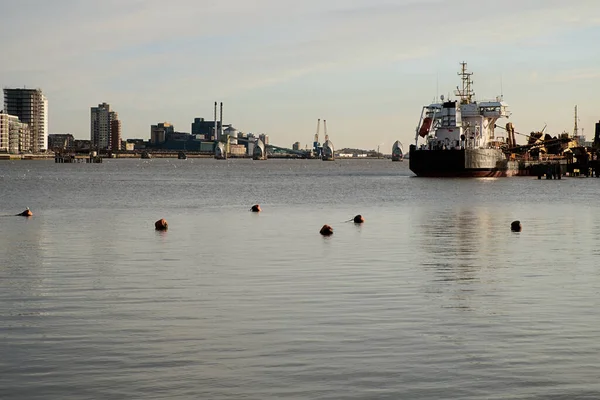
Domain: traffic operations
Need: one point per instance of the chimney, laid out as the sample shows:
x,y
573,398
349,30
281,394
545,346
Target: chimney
x,y
215,129
221,120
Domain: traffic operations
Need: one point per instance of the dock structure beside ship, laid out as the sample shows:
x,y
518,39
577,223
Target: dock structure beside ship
x,y
459,138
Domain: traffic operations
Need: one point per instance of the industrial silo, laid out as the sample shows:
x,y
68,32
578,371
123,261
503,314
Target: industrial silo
x,y
250,148
232,133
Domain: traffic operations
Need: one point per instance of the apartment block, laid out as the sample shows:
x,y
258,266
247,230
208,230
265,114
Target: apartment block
x,y
30,106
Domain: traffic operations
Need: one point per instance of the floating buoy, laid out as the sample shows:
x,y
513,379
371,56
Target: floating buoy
x,y
26,213
359,219
326,230
255,208
161,225
515,226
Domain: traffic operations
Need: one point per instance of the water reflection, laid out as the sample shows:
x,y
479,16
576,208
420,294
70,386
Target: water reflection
x,y
22,274
460,247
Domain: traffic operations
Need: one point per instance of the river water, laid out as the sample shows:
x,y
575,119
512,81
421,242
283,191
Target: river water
x,y
432,298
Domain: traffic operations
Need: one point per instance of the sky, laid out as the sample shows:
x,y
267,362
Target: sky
x,y
366,66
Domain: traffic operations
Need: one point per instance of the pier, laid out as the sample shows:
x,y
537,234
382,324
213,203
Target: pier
x,y
77,158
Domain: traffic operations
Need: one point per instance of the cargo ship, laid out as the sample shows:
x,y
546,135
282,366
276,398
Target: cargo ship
x,y
457,138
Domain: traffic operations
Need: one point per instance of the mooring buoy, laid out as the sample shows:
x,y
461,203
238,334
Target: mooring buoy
x,y
326,230
359,219
515,226
161,225
26,213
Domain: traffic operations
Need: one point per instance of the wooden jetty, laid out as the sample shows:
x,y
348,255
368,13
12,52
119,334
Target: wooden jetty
x,y
77,158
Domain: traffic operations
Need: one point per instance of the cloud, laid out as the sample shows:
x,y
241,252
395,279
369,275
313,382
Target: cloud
x,y
534,76
574,75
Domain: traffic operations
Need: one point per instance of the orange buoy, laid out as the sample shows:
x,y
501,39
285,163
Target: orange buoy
x,y
326,230
161,225
359,219
515,226
26,213
255,208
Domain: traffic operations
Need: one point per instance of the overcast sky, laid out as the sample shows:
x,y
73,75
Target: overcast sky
x,y
367,66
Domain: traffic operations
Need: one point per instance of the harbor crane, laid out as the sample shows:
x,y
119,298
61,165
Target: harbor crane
x,y
318,127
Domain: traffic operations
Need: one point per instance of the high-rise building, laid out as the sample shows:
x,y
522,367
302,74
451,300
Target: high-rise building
x,y
100,124
30,106
115,134
20,139
158,132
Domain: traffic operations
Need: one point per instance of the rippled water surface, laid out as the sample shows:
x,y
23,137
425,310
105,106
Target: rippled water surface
x,y
432,298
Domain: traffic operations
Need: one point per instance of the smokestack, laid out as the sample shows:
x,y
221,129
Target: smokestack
x,y
221,127
215,129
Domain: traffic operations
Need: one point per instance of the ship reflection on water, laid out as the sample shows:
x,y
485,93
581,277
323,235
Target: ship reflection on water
x,y
462,249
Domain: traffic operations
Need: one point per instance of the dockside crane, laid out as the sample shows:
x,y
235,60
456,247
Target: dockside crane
x,y
325,130
317,134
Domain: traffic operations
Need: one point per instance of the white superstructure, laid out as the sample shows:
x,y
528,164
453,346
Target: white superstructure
x,y
460,124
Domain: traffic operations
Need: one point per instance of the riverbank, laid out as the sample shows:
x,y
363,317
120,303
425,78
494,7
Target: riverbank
x,y
8,157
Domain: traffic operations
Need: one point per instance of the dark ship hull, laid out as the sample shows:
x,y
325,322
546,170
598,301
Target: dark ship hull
x,y
462,163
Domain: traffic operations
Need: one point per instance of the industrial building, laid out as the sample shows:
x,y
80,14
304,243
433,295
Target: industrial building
x,y
60,141
30,106
204,137
230,134
205,129
159,132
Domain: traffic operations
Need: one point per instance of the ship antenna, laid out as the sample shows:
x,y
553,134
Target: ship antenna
x,y
437,84
465,93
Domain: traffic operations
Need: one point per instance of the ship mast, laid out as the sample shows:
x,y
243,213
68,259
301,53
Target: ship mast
x,y
466,92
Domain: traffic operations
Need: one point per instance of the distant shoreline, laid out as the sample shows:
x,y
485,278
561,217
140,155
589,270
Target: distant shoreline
x,y
41,157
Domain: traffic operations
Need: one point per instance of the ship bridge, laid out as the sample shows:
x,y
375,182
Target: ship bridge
x,y
494,109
